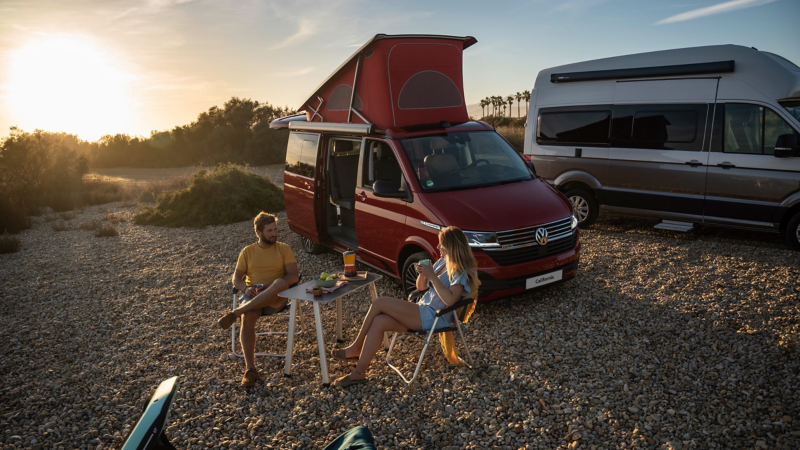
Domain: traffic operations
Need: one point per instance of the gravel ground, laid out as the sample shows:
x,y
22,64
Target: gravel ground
x,y
662,341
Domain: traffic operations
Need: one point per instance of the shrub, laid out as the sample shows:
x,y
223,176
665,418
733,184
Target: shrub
x,y
67,215
228,194
60,225
106,230
13,213
515,136
9,243
114,218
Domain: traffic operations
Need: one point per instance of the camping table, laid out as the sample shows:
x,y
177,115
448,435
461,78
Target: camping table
x,y
298,293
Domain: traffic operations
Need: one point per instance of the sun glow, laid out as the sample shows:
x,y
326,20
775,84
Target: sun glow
x,y
68,84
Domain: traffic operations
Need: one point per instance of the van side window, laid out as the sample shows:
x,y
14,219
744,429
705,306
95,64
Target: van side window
x,y
380,164
301,154
743,128
570,126
774,127
659,127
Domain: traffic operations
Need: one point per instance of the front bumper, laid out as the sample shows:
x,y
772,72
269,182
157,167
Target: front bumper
x,y
495,288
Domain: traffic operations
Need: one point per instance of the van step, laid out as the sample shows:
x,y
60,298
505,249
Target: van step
x,y
674,225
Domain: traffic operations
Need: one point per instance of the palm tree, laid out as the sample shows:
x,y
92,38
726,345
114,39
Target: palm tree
x,y
510,101
527,95
483,105
499,101
519,98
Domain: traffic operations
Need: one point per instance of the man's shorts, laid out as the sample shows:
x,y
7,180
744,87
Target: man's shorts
x,y
266,311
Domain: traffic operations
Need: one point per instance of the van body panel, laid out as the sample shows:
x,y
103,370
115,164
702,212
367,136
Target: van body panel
x,y
385,218
693,90
519,205
580,176
585,93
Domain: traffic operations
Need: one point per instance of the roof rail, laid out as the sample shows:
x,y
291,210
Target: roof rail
x,y
643,72
333,127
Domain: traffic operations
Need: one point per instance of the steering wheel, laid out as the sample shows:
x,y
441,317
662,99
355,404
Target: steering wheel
x,y
475,163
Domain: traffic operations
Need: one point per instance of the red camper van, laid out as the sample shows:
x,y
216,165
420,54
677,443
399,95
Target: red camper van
x,y
385,155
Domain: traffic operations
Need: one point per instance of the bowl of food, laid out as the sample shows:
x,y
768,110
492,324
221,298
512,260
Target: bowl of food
x,y
326,280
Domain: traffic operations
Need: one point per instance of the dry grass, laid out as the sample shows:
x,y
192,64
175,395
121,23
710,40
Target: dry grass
x,y
515,136
67,215
99,189
114,218
60,225
9,243
91,226
106,230
50,217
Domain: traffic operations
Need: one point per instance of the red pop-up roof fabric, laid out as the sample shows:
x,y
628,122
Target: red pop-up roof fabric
x,y
404,81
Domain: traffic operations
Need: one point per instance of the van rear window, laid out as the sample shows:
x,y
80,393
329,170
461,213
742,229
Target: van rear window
x,y
301,154
568,126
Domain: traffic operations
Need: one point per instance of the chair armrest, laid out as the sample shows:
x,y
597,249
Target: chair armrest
x,y
458,304
414,296
234,291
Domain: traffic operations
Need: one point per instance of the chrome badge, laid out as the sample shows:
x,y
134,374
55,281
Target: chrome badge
x,y
541,236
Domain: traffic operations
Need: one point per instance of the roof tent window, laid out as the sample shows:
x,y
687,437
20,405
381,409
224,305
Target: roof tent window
x,y
301,154
659,127
429,90
567,126
340,99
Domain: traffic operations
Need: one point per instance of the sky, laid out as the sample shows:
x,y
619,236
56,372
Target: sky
x,y
96,67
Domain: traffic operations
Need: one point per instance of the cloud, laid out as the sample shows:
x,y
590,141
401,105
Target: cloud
x,y
714,9
305,28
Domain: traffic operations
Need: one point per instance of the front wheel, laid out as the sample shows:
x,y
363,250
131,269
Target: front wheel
x,y
311,247
793,231
584,206
409,275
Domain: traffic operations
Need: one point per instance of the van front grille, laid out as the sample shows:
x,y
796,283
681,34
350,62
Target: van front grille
x,y
531,253
524,236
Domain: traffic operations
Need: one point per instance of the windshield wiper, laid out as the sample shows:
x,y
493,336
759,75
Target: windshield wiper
x,y
476,186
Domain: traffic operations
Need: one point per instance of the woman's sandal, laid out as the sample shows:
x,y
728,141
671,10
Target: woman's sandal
x,y
342,356
347,381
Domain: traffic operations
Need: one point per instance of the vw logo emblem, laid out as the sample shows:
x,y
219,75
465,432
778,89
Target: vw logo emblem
x,y
541,236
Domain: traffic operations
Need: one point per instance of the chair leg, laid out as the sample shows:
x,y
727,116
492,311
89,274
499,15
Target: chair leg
x,y
464,341
268,333
421,357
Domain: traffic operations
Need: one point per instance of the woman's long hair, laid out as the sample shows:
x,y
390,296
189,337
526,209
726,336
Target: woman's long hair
x,y
460,258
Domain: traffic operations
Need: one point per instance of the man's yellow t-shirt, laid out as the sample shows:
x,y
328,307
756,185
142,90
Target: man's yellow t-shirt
x,y
264,265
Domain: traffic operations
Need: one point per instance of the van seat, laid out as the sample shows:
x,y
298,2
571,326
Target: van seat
x,y
443,168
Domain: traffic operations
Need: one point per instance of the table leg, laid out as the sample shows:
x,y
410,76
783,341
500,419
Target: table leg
x,y
287,371
339,320
373,291
321,344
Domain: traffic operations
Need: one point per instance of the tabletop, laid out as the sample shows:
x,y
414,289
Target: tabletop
x,y
299,292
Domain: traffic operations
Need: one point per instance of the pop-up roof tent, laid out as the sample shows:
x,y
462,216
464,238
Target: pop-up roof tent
x,y
400,81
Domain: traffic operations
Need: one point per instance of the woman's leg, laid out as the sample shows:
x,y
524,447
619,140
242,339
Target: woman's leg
x,y
380,325
403,311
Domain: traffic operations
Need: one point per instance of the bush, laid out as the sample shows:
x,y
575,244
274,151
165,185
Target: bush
x,y
60,225
13,213
114,218
228,194
515,136
91,226
106,230
67,215
9,243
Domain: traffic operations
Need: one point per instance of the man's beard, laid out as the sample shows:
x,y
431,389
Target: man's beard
x,y
271,240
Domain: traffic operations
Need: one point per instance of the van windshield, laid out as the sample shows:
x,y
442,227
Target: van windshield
x,y
464,160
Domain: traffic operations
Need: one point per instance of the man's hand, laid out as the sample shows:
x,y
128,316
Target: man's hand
x,y
250,291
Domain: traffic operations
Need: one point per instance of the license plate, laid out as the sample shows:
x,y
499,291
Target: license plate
x,y
541,280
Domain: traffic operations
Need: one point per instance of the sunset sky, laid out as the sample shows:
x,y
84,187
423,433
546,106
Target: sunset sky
x,y
96,67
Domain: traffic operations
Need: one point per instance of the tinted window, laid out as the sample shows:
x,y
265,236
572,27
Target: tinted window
x,y
561,126
464,160
660,127
743,128
774,126
301,154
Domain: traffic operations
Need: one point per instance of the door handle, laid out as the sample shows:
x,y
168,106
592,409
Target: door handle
x,y
726,165
363,196
694,163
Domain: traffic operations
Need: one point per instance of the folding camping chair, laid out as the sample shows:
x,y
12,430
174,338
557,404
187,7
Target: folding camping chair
x,y
267,333
457,319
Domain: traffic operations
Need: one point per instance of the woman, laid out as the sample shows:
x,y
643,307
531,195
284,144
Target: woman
x,y
453,277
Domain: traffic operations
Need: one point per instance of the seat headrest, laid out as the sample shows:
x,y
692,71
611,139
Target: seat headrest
x,y
442,162
342,146
438,143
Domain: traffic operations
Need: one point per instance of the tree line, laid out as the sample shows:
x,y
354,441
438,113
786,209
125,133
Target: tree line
x,y
497,104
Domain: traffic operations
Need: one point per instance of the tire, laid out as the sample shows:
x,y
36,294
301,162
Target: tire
x,y
408,277
585,205
311,247
793,231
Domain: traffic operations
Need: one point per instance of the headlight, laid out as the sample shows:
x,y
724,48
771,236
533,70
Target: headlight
x,y
574,222
481,239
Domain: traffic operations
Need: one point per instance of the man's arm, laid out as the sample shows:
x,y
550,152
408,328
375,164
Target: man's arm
x,y
292,274
238,282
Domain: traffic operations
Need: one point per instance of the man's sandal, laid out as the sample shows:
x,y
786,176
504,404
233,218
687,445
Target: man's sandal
x,y
226,321
342,356
347,381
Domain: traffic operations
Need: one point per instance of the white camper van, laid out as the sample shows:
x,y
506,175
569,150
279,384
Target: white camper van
x,y
694,135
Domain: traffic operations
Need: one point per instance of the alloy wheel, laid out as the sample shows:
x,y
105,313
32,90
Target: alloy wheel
x,y
797,233
580,207
308,245
410,278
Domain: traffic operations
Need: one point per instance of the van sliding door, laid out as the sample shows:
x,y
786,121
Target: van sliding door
x,y
299,185
659,146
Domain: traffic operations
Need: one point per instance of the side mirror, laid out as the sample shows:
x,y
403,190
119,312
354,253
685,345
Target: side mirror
x,y
387,189
786,146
